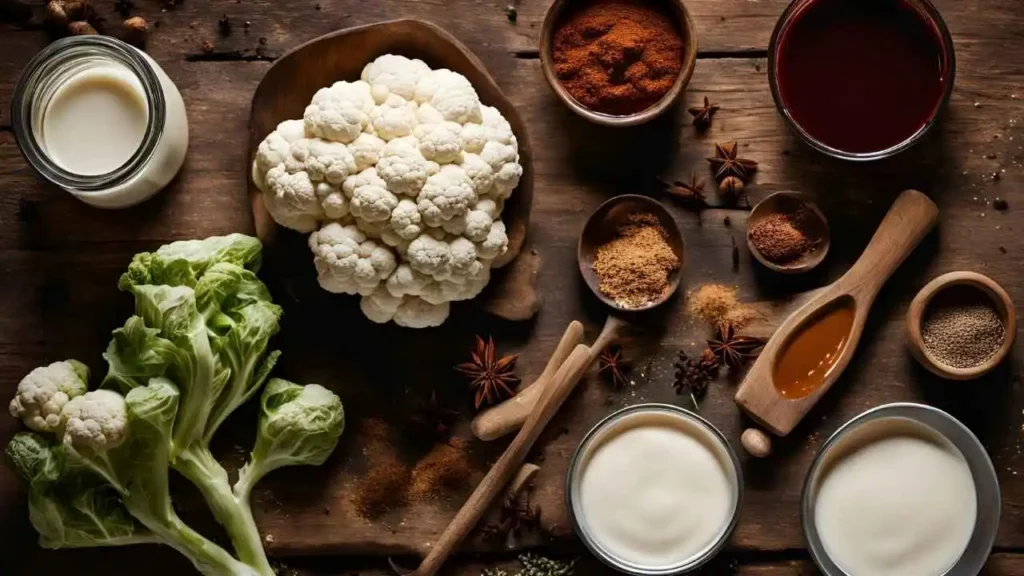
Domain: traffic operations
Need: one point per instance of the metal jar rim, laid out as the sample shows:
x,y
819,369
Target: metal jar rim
x,y
986,483
595,548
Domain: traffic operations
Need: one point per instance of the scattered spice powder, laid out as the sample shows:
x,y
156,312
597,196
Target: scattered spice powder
x,y
961,327
718,305
445,468
617,56
782,237
385,483
634,267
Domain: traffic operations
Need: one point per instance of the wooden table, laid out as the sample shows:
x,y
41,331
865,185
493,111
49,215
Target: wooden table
x,y
60,259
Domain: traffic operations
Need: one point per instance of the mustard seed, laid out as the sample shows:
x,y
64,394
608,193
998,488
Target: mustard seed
x,y
961,328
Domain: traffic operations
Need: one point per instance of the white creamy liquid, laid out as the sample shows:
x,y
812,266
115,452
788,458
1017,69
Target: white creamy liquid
x,y
95,121
898,499
656,490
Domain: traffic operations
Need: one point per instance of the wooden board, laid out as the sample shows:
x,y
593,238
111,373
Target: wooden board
x,y
60,259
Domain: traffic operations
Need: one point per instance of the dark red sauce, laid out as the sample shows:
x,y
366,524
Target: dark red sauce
x,y
861,75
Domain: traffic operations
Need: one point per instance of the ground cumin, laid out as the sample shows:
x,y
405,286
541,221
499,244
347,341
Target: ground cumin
x,y
444,469
617,56
781,237
635,266
386,481
717,305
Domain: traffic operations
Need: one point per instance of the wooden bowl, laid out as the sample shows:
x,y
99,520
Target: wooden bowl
x,y
919,307
554,15
816,227
291,81
603,226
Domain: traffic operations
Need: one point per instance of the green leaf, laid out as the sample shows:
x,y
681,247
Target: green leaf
x,y
135,354
144,458
183,263
82,511
35,458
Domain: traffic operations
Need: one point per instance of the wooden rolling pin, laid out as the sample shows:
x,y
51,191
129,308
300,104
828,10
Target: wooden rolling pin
x,y
504,469
510,415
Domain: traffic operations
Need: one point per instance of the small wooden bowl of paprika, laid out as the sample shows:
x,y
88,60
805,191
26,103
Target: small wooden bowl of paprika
x,y
618,85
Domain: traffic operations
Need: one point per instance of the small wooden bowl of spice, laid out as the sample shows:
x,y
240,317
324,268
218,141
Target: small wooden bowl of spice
x,y
787,233
618,62
961,325
631,253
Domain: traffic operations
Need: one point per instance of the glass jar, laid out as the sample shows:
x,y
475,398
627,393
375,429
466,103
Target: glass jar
x,y
77,70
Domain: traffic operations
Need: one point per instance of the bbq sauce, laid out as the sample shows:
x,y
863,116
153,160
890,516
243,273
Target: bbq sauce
x,y
861,76
809,357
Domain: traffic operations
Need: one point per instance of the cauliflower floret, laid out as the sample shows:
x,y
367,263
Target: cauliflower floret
x,y
340,112
504,161
406,281
292,200
44,392
395,118
427,114
404,168
445,195
275,148
398,74
366,149
347,261
94,421
372,203
479,172
441,143
480,220
333,201
430,255
406,220
322,160
495,244
492,128
451,94
463,253
409,311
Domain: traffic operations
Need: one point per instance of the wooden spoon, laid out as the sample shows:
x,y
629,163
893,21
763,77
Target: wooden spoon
x,y
503,470
909,219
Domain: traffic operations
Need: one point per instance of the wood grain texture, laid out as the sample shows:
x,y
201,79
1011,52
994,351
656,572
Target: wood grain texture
x,y
60,261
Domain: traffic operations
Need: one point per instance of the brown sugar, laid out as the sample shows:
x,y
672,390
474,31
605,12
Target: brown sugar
x,y
634,267
717,304
445,468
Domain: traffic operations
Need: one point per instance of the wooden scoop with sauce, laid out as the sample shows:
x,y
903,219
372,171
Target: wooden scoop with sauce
x,y
814,345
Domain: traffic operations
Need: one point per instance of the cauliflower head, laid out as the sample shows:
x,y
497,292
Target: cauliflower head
x,y
400,178
46,390
94,421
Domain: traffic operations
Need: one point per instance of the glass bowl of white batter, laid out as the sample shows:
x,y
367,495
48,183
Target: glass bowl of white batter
x,y
654,489
901,489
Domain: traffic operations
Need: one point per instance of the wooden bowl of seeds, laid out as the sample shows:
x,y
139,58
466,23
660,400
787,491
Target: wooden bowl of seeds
x,y
961,325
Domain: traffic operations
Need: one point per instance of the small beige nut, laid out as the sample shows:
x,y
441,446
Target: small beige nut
x,y
81,29
731,186
756,443
57,13
78,10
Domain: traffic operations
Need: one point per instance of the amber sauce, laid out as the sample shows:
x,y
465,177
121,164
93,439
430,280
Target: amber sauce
x,y
809,356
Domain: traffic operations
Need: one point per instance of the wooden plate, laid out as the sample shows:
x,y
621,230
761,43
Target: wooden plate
x,y
291,81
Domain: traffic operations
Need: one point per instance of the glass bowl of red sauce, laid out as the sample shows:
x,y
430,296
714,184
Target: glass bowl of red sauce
x,y
861,79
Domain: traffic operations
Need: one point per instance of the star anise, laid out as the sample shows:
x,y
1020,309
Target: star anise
x,y
689,193
491,379
725,163
515,517
613,367
702,114
733,350
433,418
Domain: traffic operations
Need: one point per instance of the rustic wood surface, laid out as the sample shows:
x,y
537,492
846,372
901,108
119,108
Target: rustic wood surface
x,y
60,260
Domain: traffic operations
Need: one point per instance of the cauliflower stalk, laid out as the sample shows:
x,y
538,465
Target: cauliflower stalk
x,y
400,178
97,461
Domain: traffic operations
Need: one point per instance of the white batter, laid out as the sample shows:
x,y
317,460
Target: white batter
x,y
656,490
897,499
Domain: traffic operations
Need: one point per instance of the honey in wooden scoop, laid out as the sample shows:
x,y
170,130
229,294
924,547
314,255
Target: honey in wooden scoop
x,y
814,345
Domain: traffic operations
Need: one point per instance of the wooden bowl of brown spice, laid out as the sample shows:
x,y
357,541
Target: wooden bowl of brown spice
x,y
961,325
631,253
618,62
787,233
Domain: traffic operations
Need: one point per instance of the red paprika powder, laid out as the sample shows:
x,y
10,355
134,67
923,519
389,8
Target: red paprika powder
x,y
617,56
